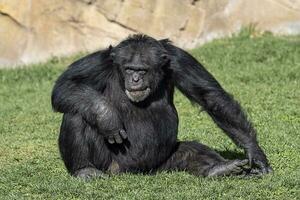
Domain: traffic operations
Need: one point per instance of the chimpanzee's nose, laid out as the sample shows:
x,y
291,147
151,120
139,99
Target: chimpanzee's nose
x,y
135,78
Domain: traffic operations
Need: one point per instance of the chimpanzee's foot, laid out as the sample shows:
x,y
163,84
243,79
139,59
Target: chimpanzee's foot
x,y
89,173
232,167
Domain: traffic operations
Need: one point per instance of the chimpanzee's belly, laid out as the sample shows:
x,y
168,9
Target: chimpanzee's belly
x,y
152,136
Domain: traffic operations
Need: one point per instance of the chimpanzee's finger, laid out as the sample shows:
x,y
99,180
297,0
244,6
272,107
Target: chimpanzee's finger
x,y
111,140
118,138
264,168
123,134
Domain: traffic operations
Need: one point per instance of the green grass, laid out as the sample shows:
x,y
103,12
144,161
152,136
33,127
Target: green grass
x,y
263,73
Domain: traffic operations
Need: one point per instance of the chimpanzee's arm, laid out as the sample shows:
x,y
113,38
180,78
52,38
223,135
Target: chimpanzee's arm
x,y
78,91
192,79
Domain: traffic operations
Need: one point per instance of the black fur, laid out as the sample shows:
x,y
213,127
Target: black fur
x,y
106,129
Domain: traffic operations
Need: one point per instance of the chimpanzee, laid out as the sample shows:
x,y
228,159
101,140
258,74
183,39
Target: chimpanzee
x,y
119,114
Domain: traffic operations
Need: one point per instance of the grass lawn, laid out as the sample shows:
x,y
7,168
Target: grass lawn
x,y
263,73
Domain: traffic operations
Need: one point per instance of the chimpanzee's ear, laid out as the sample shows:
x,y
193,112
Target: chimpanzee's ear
x,y
112,54
165,58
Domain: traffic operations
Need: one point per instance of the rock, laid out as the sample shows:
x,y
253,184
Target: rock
x,y
33,31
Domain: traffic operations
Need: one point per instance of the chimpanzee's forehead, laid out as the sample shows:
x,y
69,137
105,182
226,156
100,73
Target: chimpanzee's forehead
x,y
139,53
139,46
142,50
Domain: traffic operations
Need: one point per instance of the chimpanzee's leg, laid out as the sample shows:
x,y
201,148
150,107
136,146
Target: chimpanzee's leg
x,y
200,160
83,150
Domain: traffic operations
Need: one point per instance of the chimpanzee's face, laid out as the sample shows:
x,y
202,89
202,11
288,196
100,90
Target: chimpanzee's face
x,y
140,66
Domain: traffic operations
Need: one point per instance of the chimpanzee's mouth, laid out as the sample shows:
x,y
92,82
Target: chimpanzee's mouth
x,y
138,95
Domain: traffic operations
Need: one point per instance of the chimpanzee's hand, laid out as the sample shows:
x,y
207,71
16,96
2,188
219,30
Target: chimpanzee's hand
x,y
258,159
112,131
110,125
116,136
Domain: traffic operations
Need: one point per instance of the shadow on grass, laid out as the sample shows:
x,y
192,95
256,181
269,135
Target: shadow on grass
x,y
231,155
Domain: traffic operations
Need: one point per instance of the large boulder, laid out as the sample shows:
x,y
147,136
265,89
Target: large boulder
x,y
34,30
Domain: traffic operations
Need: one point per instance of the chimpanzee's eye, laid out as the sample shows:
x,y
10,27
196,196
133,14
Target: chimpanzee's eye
x,y
129,71
142,72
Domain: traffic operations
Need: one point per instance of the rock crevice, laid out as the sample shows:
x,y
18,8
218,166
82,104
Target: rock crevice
x,y
15,21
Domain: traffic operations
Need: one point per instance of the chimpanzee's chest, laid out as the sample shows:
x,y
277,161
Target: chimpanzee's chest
x,y
152,135
156,123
